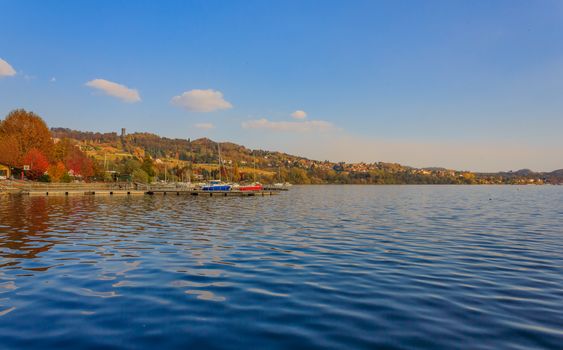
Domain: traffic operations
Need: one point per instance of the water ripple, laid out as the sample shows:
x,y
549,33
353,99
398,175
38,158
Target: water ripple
x,y
392,267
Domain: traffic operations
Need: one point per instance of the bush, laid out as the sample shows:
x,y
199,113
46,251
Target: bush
x,y
140,175
66,178
44,178
33,175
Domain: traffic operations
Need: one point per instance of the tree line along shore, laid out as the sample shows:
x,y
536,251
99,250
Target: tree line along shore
x,y
30,150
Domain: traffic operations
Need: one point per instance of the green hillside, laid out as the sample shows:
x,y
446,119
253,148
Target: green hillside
x,y
177,159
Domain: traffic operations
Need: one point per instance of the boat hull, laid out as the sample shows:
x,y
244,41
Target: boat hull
x,y
250,188
216,188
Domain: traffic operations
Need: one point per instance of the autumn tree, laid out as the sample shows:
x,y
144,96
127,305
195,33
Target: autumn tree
x,y
128,166
298,176
236,173
67,152
79,163
9,151
24,131
57,171
148,167
182,172
140,175
62,149
37,162
100,171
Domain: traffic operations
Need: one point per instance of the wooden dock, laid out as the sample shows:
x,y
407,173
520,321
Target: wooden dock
x,y
152,193
120,189
212,193
273,188
82,193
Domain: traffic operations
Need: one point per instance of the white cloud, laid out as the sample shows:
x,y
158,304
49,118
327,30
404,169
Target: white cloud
x,y
6,70
204,126
299,114
116,90
201,101
301,126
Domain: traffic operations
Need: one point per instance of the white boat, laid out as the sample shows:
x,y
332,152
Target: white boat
x,y
282,185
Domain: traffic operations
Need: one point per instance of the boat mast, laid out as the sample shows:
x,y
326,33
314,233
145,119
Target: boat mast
x,y
220,163
189,176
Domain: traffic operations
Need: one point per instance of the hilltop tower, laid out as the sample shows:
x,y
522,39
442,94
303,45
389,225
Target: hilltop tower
x,y
123,132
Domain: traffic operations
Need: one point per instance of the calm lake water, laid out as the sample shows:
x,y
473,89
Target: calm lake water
x,y
394,267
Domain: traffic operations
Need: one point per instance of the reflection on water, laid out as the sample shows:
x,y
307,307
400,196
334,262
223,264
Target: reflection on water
x,y
325,266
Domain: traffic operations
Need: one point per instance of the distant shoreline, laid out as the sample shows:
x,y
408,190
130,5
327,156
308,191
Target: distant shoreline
x,y
60,156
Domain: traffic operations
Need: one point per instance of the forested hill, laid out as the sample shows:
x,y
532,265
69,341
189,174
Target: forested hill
x,y
201,150
281,166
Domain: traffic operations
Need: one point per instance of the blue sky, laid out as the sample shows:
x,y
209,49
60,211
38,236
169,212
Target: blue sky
x,y
472,85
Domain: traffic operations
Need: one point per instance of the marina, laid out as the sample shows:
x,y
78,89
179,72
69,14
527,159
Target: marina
x,y
130,189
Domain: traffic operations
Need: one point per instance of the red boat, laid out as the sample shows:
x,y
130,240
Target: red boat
x,y
253,187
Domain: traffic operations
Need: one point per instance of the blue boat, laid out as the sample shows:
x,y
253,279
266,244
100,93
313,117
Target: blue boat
x,y
216,185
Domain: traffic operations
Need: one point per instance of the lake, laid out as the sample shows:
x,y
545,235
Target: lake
x,y
343,267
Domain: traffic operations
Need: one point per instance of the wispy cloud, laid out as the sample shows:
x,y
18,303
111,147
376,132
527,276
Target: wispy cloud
x,y
116,90
6,70
299,114
201,101
298,126
205,126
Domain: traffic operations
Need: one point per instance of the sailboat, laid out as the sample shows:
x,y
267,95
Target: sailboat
x,y
217,185
255,186
281,184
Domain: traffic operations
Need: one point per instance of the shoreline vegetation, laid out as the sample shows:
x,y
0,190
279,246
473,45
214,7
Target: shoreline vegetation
x,y
32,151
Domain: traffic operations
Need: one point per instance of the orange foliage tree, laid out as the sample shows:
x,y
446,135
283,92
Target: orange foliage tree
x,y
26,131
9,153
25,139
38,163
79,163
76,161
57,171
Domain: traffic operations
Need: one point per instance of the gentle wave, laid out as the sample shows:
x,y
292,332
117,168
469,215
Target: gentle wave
x,y
477,267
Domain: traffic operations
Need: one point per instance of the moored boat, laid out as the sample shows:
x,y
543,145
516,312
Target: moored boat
x,y
282,185
216,185
252,187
